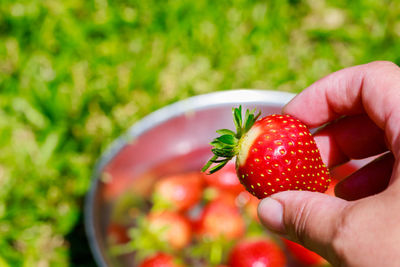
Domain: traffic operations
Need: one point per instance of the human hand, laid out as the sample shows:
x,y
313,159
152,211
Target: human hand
x,y
361,228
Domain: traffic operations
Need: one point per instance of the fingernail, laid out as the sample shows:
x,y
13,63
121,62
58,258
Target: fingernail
x,y
270,212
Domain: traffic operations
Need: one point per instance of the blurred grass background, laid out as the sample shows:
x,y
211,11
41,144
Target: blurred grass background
x,y
75,74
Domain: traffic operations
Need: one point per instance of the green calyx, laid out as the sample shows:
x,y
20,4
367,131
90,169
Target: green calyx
x,y
225,146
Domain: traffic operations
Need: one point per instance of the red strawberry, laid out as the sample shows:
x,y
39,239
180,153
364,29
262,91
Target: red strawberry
x,y
249,204
180,191
331,189
339,173
214,194
116,184
343,171
261,252
173,228
225,180
117,234
160,260
220,218
276,153
302,255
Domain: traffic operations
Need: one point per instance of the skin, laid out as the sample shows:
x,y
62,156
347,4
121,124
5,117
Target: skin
x,y
360,110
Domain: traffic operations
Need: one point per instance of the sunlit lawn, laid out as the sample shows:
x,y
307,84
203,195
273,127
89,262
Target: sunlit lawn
x,y
75,74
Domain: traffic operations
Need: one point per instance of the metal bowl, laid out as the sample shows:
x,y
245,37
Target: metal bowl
x,y
174,138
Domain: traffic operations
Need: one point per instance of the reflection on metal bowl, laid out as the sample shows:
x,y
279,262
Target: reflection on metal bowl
x,y
172,139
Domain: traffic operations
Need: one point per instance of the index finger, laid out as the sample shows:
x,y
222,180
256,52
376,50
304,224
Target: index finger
x,y
372,88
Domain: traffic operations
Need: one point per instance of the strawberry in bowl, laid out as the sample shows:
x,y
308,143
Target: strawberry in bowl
x,y
275,153
220,218
178,192
225,180
156,149
302,256
161,260
257,252
172,228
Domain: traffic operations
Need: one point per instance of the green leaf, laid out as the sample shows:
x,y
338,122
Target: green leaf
x,y
208,164
217,144
227,139
218,160
251,118
212,250
237,118
226,153
3,263
216,253
145,240
225,146
226,131
238,114
218,167
249,122
246,117
160,203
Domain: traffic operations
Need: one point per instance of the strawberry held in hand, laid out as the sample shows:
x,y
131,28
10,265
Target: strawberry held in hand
x,y
273,154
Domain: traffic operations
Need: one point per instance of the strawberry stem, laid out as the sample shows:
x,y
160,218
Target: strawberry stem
x,y
144,241
225,146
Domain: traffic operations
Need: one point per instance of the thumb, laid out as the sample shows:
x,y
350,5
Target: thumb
x,y
309,218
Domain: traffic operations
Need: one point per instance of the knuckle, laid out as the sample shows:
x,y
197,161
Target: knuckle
x,y
342,234
300,222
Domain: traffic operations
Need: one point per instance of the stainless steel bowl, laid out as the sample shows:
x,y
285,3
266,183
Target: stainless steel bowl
x,y
180,131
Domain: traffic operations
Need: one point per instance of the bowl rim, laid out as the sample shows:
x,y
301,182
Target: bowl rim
x,y
194,103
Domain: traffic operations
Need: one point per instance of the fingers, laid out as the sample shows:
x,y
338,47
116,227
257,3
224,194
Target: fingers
x,y
300,215
369,180
362,102
353,137
371,88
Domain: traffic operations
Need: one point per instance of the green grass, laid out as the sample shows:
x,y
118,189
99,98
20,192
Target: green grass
x,y
75,74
